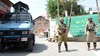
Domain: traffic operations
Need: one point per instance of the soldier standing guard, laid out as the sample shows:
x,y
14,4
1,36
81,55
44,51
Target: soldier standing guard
x,y
62,37
90,31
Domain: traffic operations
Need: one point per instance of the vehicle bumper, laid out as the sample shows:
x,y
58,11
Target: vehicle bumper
x,y
22,38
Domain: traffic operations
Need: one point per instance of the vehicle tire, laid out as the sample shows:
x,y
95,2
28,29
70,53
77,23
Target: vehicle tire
x,y
30,45
1,47
33,40
33,43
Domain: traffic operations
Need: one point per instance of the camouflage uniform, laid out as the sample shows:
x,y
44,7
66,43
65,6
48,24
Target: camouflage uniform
x,y
62,37
90,31
90,27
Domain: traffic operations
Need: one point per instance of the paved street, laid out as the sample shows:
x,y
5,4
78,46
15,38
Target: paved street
x,y
44,48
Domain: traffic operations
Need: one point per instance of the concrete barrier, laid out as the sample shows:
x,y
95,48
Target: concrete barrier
x,y
80,39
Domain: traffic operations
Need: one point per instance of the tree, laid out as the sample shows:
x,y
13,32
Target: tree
x,y
77,9
98,10
52,8
64,5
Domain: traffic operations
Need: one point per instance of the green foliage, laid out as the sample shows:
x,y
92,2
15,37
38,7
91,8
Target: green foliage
x,y
52,8
64,5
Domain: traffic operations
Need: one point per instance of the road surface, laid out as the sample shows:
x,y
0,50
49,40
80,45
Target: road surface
x,y
45,48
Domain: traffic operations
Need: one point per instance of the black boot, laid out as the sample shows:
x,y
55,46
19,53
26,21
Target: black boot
x,y
66,47
95,46
88,44
59,48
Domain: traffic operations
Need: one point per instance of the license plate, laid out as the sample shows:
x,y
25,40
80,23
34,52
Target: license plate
x,y
23,39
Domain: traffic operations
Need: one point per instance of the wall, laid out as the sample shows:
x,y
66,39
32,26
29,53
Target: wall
x,y
77,27
52,27
41,25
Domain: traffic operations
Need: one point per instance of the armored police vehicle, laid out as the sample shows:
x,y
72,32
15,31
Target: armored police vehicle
x,y
16,29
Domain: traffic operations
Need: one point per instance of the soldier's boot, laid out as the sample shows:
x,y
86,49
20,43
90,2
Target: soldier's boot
x,y
66,47
95,46
59,47
88,44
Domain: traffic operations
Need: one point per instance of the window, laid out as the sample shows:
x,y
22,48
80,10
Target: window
x,y
16,18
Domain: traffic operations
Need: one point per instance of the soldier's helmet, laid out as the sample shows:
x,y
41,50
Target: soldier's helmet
x,y
89,18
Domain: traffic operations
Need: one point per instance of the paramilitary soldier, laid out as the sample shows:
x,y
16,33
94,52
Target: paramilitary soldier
x,y
90,31
62,35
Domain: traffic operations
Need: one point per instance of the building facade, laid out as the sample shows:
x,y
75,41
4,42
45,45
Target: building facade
x,y
5,6
94,11
41,25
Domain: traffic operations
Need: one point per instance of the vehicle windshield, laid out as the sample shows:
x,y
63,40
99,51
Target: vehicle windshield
x,y
14,18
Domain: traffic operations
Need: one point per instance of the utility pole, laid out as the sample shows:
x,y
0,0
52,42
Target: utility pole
x,y
58,11
63,3
98,10
70,15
